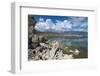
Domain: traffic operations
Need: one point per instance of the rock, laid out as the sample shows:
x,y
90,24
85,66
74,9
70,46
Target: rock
x,y
45,54
35,39
44,45
58,54
66,56
42,39
76,52
34,45
31,23
66,50
30,54
40,49
30,29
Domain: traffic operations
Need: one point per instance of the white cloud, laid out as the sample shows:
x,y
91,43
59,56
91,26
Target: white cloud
x,y
79,23
61,26
48,24
42,25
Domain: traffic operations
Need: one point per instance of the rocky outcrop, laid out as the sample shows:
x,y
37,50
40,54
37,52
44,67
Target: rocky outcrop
x,y
43,49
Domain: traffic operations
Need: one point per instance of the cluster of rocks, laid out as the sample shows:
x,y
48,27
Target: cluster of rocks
x,y
39,48
43,49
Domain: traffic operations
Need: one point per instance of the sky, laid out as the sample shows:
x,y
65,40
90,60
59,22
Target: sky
x,y
49,23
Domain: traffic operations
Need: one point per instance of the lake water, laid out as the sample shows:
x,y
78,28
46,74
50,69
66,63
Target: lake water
x,y
78,43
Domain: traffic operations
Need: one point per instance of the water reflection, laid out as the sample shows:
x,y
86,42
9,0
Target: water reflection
x,y
80,42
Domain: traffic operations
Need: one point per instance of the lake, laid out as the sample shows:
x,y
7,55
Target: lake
x,y
76,43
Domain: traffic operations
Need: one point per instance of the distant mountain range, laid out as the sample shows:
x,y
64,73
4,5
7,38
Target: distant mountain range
x,y
68,34
76,32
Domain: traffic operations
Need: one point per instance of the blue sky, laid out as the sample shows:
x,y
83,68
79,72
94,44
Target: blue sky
x,y
60,23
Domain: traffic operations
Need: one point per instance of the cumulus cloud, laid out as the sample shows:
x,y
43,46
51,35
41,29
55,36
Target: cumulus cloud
x,y
62,26
78,21
42,25
72,24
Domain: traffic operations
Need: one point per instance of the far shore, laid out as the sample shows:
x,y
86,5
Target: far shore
x,y
64,35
